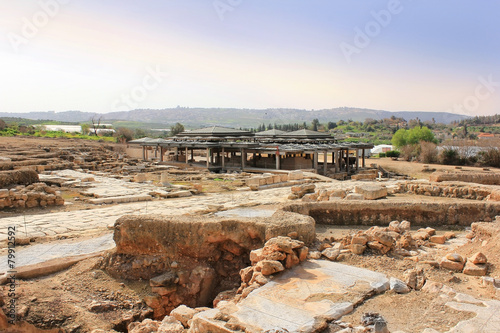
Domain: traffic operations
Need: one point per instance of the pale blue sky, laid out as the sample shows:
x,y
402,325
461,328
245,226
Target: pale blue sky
x,y
98,55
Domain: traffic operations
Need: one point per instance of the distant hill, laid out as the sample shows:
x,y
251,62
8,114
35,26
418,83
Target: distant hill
x,y
245,118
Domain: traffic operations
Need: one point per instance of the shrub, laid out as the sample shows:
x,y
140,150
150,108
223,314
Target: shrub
x,y
449,156
393,153
410,152
428,152
381,155
490,157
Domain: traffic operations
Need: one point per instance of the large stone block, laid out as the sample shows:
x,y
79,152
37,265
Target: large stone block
x,y
371,192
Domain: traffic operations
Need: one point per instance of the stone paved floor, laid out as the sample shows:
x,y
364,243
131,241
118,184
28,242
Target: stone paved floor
x,y
52,224
43,252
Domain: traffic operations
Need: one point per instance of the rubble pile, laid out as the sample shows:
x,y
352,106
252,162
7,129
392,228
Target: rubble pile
x,y
278,254
34,195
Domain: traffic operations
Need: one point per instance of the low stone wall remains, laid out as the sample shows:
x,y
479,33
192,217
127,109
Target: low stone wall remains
x,y
487,178
362,212
35,195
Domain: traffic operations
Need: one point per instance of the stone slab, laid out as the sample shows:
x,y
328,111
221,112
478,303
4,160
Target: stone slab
x,y
39,253
315,288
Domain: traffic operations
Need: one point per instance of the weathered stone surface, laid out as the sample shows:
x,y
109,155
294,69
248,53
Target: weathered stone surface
x,y
146,326
487,178
307,298
140,178
268,267
170,324
415,278
438,239
354,196
165,279
295,175
394,226
359,239
342,212
331,253
371,192
455,257
358,248
451,265
383,238
478,258
405,226
475,269
399,286
291,260
199,237
379,247
246,274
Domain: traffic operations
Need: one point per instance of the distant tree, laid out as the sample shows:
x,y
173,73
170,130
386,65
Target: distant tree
x,y
331,125
176,129
139,133
85,129
269,127
315,123
404,137
3,125
96,124
123,134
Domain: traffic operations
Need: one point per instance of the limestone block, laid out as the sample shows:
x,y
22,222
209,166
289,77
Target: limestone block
x,y
354,196
295,175
254,181
170,325
451,265
358,248
371,192
441,239
331,253
475,269
4,193
183,314
379,247
478,258
383,238
415,278
140,178
268,267
359,239
283,177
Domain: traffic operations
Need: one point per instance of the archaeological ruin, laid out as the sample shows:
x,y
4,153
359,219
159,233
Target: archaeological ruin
x,y
218,230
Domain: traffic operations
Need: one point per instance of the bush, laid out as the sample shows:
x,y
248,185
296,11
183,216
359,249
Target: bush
x,y
449,156
490,157
410,152
393,153
381,155
428,152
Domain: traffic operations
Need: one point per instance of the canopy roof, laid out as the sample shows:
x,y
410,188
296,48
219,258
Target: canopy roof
x,y
216,131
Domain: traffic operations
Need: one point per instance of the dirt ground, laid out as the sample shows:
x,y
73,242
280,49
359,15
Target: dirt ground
x,y
414,169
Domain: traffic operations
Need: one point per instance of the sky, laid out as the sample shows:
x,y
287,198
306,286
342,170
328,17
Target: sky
x,y
109,55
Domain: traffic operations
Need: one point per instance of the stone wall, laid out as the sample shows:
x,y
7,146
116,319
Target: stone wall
x,y
35,195
461,191
383,212
487,178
